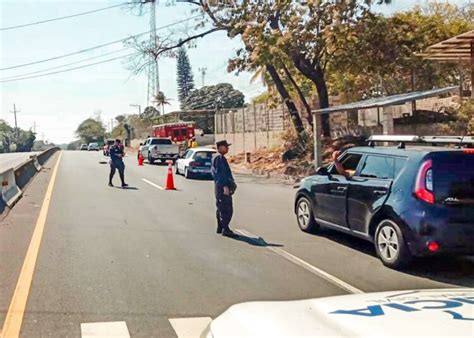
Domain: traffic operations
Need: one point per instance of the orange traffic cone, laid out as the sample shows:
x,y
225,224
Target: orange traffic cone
x,y
169,178
140,159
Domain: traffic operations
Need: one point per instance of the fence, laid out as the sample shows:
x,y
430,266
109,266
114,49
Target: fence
x,y
252,127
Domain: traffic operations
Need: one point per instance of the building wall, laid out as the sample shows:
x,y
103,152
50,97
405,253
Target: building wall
x,y
251,141
252,128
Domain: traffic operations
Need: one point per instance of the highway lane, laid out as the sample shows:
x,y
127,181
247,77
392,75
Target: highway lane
x,y
143,255
11,160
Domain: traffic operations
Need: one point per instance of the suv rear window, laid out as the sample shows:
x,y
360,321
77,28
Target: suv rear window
x,y
382,167
160,141
453,177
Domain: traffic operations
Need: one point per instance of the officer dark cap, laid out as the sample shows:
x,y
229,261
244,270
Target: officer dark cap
x,y
222,143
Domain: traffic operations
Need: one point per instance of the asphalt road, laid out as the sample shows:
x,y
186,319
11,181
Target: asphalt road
x,y
143,255
11,160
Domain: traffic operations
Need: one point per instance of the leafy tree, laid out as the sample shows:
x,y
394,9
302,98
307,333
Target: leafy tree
x,y
285,34
25,140
184,75
91,130
161,100
120,118
223,95
381,58
5,136
16,139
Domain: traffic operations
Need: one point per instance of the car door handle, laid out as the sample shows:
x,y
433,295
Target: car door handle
x,y
380,192
342,189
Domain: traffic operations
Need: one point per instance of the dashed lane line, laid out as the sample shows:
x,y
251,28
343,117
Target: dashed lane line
x,y
152,184
305,265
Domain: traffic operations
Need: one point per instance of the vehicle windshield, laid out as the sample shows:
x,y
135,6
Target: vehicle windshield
x,y
160,141
453,178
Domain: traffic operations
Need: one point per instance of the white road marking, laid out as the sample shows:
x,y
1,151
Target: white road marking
x,y
153,184
305,265
105,330
189,327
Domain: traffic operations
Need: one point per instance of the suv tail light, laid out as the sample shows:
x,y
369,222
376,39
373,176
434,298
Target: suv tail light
x,y
193,164
469,151
424,183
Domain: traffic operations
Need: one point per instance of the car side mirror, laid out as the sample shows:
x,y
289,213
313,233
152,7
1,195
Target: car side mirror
x,y
323,171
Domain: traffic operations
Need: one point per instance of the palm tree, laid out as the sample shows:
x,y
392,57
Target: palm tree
x,y
160,100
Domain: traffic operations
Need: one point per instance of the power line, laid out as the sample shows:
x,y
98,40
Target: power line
x,y
99,46
61,18
70,69
65,65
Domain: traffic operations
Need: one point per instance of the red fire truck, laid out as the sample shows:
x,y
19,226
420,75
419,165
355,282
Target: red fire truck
x,y
179,131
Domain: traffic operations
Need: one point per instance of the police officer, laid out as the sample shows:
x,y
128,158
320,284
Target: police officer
x,y
116,162
224,187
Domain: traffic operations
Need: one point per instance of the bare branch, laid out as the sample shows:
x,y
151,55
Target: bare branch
x,y
182,42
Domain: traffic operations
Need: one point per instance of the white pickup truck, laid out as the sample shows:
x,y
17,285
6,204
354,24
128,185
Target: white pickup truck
x,y
159,149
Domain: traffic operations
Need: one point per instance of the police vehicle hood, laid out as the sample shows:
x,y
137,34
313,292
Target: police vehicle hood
x,y
428,313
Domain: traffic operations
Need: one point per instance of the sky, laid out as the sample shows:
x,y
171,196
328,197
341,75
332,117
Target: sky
x,y
56,104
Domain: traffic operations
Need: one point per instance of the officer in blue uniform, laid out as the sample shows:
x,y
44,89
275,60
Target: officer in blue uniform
x,y
116,162
224,187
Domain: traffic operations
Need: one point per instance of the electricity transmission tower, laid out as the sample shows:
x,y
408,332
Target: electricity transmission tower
x,y
153,71
203,71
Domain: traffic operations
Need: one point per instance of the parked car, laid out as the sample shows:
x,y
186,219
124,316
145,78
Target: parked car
x,y
195,162
409,313
83,147
159,149
409,201
93,146
107,145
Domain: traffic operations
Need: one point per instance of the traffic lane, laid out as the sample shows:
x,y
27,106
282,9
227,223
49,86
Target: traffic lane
x,y
11,160
267,210
15,233
133,255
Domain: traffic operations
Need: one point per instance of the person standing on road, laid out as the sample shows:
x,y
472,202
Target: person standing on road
x,y
224,187
116,162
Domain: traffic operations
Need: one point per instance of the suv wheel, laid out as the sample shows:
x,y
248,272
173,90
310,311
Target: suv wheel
x,y
390,245
176,171
304,215
150,159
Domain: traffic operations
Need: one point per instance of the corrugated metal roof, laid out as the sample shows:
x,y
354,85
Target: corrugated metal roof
x,y
386,101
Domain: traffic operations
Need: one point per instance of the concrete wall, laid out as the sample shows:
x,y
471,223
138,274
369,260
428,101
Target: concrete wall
x,y
249,142
370,121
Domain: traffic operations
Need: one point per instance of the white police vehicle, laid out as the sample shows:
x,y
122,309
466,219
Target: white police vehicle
x,y
417,313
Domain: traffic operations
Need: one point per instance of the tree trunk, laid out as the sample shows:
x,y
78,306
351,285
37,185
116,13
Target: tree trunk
x,y
309,115
293,111
315,74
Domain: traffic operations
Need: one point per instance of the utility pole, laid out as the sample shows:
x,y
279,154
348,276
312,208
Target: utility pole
x,y
203,71
16,124
139,106
34,127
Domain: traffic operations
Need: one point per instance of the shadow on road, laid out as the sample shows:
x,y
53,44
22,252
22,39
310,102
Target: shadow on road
x,y
444,269
125,188
255,241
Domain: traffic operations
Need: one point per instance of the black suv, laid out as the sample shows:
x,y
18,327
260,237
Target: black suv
x,y
409,201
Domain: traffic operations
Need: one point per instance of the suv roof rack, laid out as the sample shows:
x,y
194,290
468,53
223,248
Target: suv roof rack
x,y
460,141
